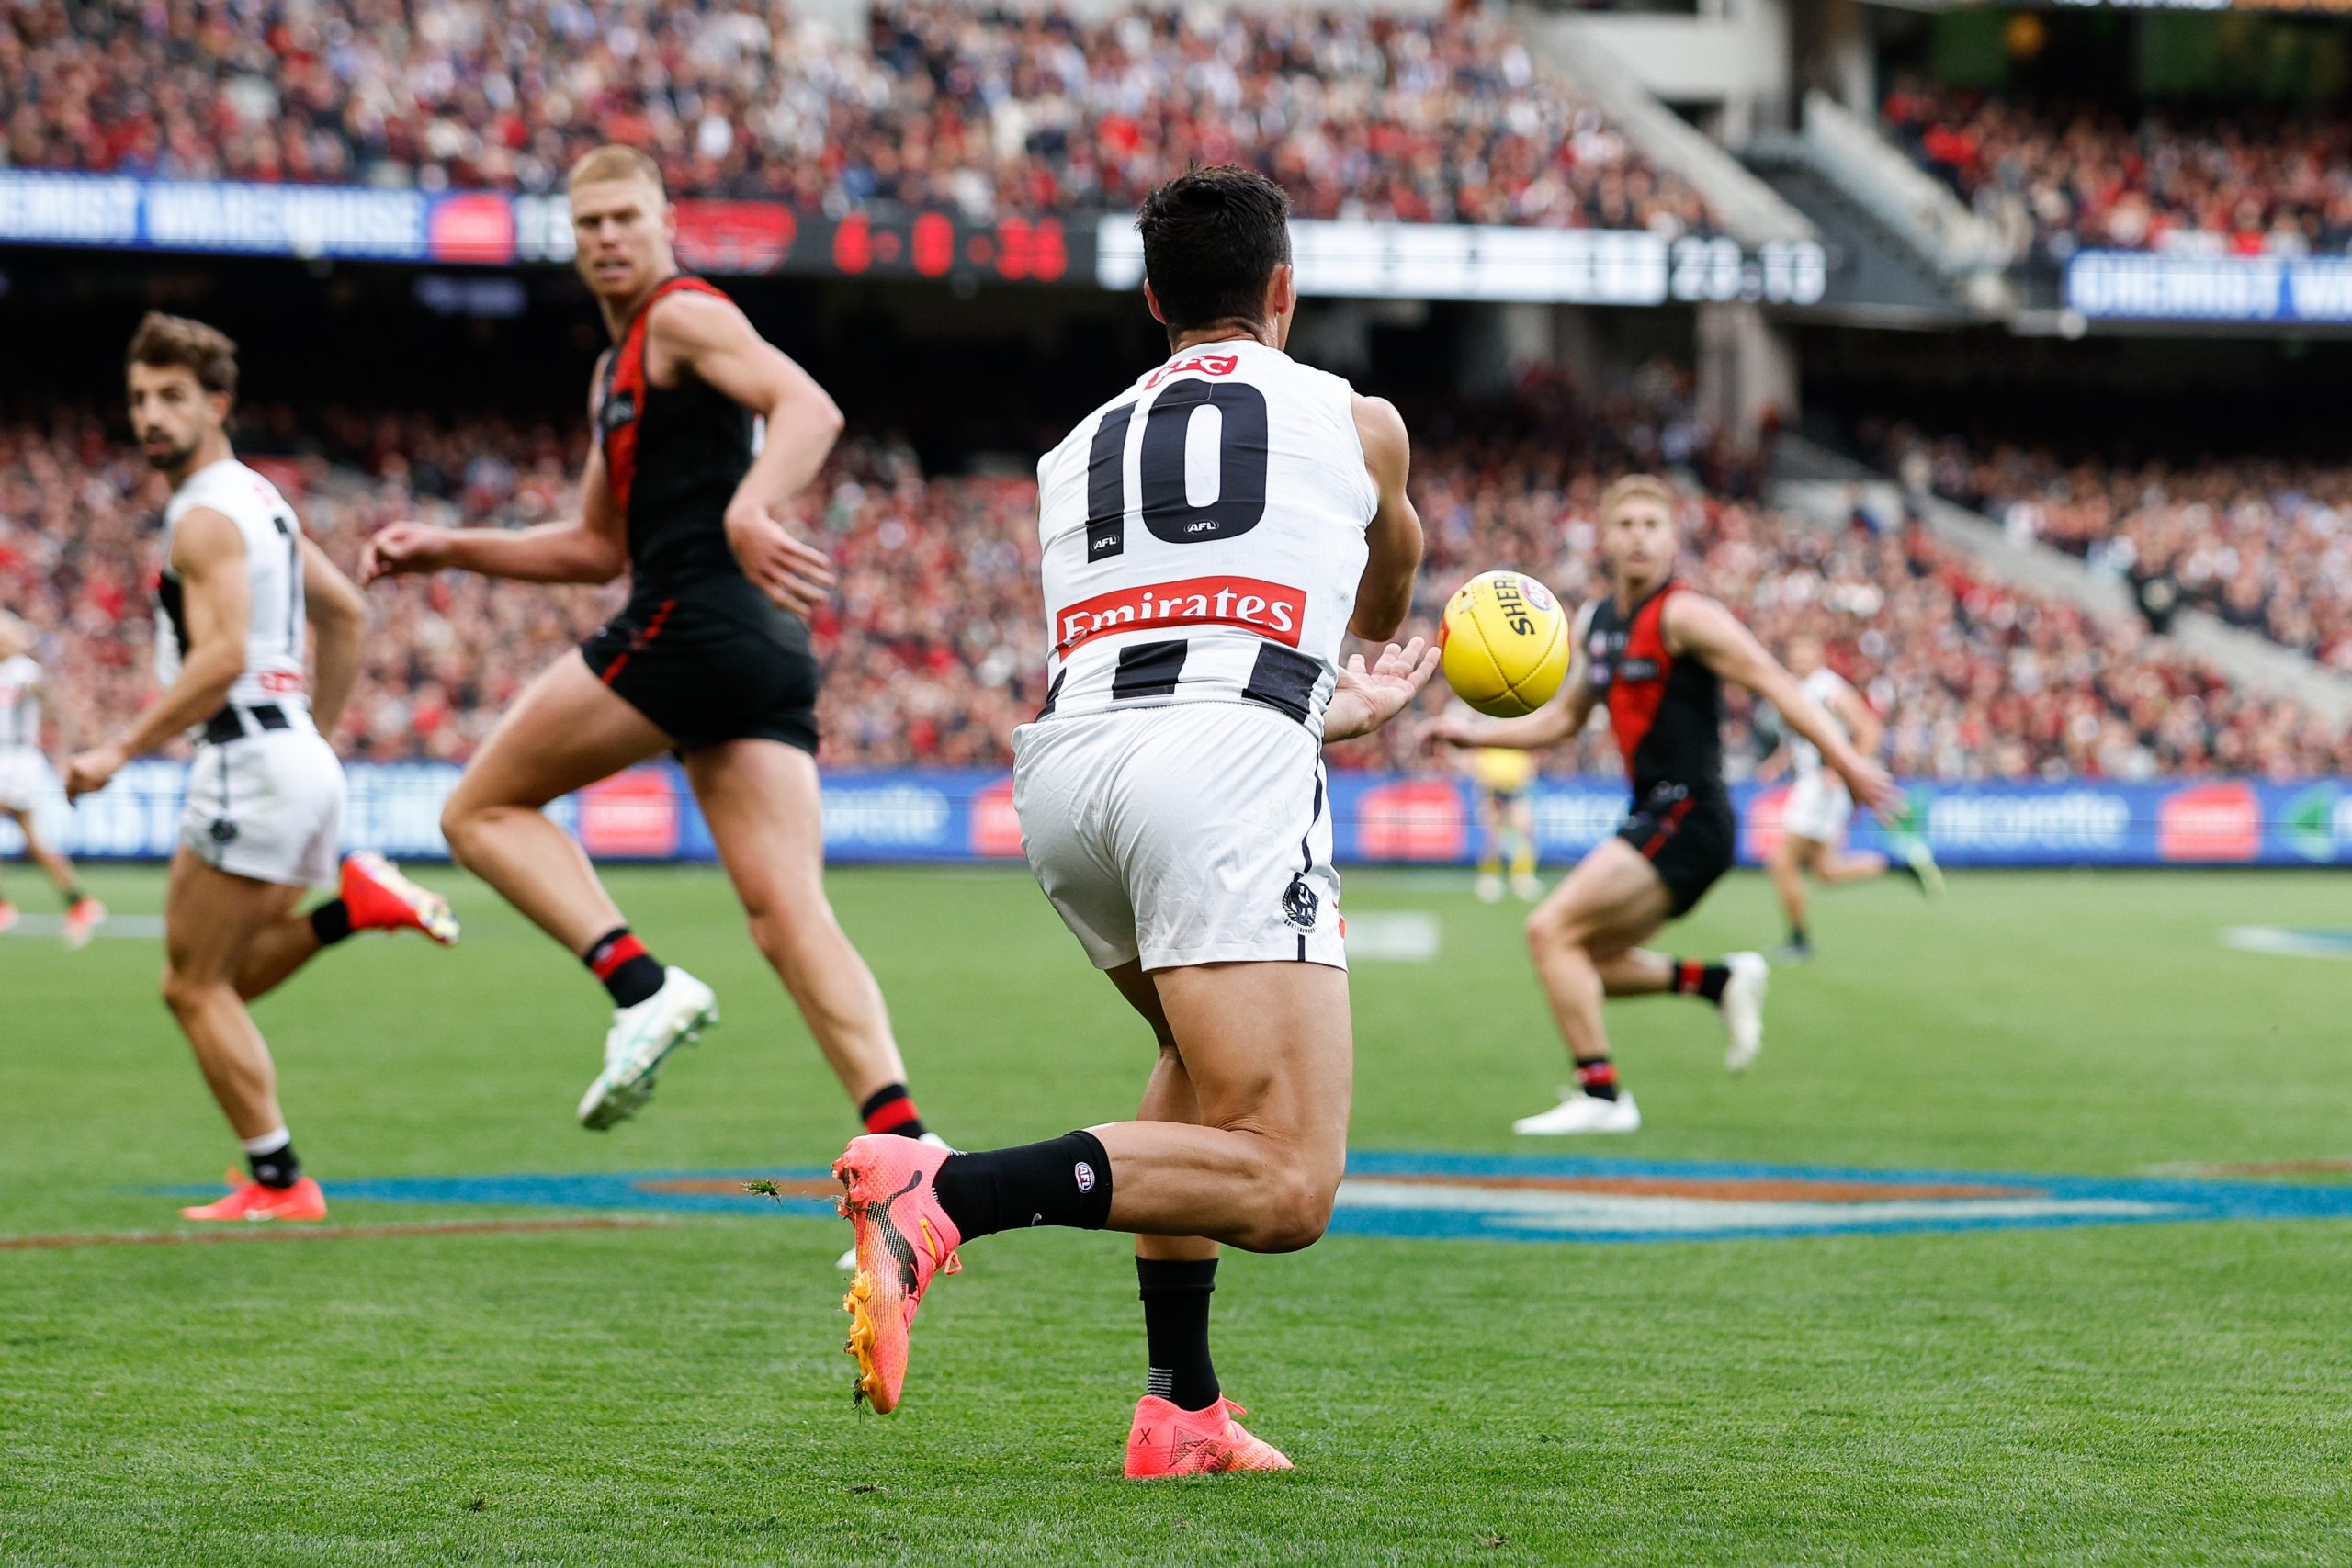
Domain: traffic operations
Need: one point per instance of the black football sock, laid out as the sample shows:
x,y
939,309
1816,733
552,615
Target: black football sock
x,y
331,923
1692,978
1597,1077
271,1159
72,893
1797,937
1062,1181
1176,1328
892,1109
630,974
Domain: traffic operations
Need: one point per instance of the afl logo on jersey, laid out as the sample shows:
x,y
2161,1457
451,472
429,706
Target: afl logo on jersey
x,y
618,410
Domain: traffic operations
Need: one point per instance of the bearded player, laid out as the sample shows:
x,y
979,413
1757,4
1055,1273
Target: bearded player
x,y
709,658
241,588
1813,822
1200,573
1657,653
25,780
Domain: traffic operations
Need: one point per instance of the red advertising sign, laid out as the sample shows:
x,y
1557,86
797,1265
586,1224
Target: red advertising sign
x,y
635,813
475,227
996,827
1412,819
2209,822
1761,821
734,236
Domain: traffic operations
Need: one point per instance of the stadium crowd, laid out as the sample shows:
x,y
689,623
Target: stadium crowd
x,y
936,643
2057,175
1371,115
2264,543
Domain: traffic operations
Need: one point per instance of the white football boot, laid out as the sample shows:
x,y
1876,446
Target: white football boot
x,y
1743,1008
1490,888
1582,1112
641,1038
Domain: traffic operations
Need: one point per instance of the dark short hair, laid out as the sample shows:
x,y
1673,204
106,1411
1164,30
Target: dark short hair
x,y
163,342
1212,237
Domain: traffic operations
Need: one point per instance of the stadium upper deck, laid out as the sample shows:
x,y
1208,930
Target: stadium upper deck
x,y
1361,114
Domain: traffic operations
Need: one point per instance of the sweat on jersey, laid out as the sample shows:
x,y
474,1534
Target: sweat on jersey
x,y
1204,537
275,631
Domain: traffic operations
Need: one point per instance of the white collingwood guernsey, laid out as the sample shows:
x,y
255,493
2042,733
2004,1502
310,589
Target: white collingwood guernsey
x,y
1204,537
239,595
1818,805
266,792
1244,596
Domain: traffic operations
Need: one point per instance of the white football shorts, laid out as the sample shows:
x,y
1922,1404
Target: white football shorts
x,y
1189,833
267,805
26,780
1817,809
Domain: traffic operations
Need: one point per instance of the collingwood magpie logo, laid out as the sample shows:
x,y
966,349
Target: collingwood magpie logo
x,y
222,830
1300,904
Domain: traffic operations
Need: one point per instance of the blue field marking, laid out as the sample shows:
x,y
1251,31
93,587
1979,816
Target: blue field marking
x,y
1442,1196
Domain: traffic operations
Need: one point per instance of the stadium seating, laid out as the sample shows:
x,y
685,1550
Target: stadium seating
x,y
2059,176
1360,115
936,645
2266,543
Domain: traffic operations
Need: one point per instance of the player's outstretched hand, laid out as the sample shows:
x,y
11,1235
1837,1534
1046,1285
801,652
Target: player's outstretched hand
x,y
1366,699
1447,731
1872,788
400,547
792,573
87,772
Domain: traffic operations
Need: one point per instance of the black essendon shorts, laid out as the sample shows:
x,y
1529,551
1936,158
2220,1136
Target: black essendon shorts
x,y
1690,836
704,675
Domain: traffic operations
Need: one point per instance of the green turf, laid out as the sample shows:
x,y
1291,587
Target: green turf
x,y
2158,1395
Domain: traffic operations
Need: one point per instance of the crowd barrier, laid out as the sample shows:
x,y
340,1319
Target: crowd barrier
x,y
648,814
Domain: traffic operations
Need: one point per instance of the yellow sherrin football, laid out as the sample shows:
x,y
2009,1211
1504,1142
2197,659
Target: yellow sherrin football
x,y
1505,644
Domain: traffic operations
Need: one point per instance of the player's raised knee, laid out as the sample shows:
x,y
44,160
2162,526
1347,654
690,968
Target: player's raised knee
x,y
1294,1211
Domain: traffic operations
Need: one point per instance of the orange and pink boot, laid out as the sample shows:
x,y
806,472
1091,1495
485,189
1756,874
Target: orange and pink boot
x,y
1168,1441
250,1200
904,1241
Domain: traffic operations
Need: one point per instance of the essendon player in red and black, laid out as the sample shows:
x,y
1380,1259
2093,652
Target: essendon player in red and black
x,y
1656,654
709,658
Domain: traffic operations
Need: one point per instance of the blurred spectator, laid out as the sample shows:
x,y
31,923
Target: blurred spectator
x,y
2057,177
1370,115
2264,543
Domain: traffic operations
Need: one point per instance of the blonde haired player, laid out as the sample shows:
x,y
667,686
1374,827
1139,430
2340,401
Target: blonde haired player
x,y
705,434
1656,654
25,780
1813,822
240,592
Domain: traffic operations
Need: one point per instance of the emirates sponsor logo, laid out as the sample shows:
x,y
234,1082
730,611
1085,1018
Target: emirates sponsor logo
x,y
1273,611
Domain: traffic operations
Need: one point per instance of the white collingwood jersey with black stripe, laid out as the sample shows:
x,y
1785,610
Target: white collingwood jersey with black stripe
x,y
19,710
1204,537
274,632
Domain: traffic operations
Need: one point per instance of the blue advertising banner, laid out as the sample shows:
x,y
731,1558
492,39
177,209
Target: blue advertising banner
x,y
649,813
2156,286
340,222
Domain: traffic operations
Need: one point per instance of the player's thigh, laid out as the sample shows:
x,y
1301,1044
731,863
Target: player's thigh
x,y
1270,1050
1143,995
565,731
1613,899
766,810
211,916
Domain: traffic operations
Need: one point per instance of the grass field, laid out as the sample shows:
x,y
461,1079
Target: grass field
x,y
2158,1393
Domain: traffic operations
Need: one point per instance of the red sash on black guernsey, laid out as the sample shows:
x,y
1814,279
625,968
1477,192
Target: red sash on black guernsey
x,y
1665,713
620,402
